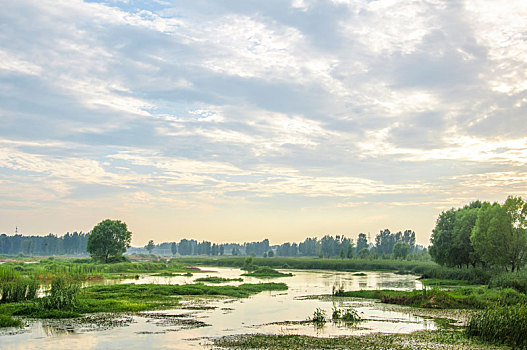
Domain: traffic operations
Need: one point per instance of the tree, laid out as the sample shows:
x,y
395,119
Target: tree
x,y
364,253
362,242
442,238
500,235
400,250
108,239
150,246
173,248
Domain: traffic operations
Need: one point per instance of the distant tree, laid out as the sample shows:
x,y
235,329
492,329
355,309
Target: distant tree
x,y
173,248
222,249
270,254
265,254
364,253
109,239
150,246
400,250
349,253
362,242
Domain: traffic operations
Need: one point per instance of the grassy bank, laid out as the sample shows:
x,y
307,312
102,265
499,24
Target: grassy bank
x,y
443,339
315,263
459,298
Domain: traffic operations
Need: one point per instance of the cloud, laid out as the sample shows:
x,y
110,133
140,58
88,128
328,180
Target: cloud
x,y
319,105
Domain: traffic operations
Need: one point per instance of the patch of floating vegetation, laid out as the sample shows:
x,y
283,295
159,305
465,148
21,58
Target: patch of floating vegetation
x,y
266,272
132,298
215,279
180,321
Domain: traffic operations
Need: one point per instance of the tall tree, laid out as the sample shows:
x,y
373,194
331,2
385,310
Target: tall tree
x,y
499,236
109,239
442,238
150,246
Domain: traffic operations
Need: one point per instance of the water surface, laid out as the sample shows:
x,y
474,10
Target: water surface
x,y
278,312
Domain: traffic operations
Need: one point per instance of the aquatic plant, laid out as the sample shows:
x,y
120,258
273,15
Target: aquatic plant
x,y
346,314
319,316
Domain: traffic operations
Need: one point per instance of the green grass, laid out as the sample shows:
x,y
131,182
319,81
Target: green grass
x,y
133,298
316,263
267,272
441,339
501,325
431,282
459,298
215,279
516,280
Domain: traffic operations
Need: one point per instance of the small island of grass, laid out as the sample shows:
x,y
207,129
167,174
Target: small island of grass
x,y
215,279
266,272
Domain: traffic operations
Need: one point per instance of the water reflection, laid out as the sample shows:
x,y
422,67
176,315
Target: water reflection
x,y
268,312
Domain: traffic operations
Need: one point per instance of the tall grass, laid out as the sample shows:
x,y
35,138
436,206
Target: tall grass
x,y
516,280
473,275
14,287
501,325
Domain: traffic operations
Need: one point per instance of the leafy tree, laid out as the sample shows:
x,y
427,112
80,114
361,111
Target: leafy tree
x,y
173,248
364,253
500,236
222,249
400,250
150,246
442,238
270,254
384,243
109,239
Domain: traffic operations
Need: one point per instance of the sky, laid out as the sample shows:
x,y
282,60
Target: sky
x,y
234,121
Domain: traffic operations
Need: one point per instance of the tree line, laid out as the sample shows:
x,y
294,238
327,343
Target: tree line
x,y
69,244
482,234
386,245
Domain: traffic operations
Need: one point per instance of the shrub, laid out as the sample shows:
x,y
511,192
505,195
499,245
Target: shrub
x,y
516,280
62,295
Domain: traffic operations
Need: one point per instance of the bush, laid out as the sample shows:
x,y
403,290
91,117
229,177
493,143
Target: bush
x,y
473,275
501,325
8,321
516,280
62,295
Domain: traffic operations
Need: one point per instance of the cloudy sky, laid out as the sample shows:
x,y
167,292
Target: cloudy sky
x,y
238,120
